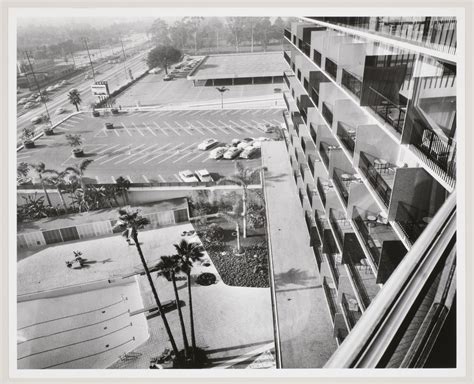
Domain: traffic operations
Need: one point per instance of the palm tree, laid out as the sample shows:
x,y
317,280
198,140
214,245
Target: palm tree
x,y
78,170
243,176
57,179
132,222
168,267
189,252
40,169
22,171
74,98
111,194
123,186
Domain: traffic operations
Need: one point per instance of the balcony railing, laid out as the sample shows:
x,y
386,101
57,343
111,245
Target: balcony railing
x,y
410,221
314,96
347,135
330,298
363,230
335,223
317,256
306,48
359,284
352,83
333,268
287,34
327,114
317,58
287,58
322,193
374,178
440,153
387,110
324,154
331,68
319,223
341,186
312,132
349,315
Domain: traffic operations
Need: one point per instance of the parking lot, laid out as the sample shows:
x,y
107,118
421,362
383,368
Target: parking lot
x,y
150,146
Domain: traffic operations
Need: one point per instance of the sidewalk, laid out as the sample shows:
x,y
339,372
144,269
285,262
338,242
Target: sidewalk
x,y
304,326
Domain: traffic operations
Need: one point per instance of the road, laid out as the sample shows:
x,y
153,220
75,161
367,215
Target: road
x,y
115,74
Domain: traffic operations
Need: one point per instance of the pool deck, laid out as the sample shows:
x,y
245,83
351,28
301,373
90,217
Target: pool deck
x,y
304,325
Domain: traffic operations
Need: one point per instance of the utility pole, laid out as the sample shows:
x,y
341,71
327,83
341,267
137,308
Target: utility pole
x,y
90,60
123,52
73,60
100,50
39,89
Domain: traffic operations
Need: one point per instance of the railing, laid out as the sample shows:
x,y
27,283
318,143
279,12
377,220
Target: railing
x,y
317,58
287,34
321,192
412,225
337,228
310,191
331,68
306,84
306,48
287,58
359,284
341,187
329,298
440,153
351,319
311,160
327,114
312,132
364,233
319,224
324,154
352,83
286,77
379,184
347,139
317,256
387,110
333,268
313,94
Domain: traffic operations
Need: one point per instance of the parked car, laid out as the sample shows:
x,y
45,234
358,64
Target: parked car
x,y
245,143
235,142
249,152
50,89
257,143
29,105
232,153
206,144
154,71
269,128
168,78
188,177
22,101
204,175
37,119
59,111
217,153
109,126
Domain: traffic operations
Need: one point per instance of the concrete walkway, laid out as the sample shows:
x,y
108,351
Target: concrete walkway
x,y
304,325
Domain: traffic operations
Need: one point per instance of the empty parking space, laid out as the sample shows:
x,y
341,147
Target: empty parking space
x,y
153,145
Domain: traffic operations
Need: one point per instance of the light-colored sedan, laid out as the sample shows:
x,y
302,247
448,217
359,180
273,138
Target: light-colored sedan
x,y
36,119
59,111
217,153
249,152
204,175
206,144
188,177
232,153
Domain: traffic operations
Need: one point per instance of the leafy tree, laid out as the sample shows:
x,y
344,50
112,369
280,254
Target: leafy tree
x,y
169,267
179,34
160,33
163,56
123,185
194,26
40,169
74,98
78,171
22,171
189,253
236,26
132,222
263,30
33,208
57,179
243,177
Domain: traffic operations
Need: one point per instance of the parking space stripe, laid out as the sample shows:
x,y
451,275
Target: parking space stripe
x,y
110,159
161,154
196,113
177,177
195,157
129,133
117,133
106,149
147,127
146,179
186,130
129,178
236,111
97,178
161,129
197,129
143,155
210,122
229,127
174,130
206,159
113,180
138,129
178,151
162,178
277,121
216,112
256,111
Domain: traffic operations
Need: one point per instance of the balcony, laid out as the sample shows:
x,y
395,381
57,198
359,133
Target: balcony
x,y
340,226
287,58
327,113
374,171
287,34
359,285
312,132
306,48
350,311
390,112
313,94
436,153
342,182
320,220
322,187
411,221
331,68
317,58
365,228
351,83
347,134
331,298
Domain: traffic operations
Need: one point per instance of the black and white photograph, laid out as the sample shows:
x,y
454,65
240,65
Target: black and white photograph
x,y
221,191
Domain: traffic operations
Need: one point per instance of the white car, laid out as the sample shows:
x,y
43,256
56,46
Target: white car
x,y
245,143
204,175
206,144
50,89
217,153
232,153
59,111
36,119
29,105
23,100
188,177
249,152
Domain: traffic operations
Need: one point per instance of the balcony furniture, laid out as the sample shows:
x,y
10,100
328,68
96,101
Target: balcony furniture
x,y
382,218
364,263
380,164
353,305
357,178
372,221
427,219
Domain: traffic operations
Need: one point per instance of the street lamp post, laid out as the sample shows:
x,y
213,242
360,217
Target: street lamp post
x,y
222,90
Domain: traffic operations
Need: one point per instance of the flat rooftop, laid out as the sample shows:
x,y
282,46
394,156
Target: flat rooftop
x,y
240,65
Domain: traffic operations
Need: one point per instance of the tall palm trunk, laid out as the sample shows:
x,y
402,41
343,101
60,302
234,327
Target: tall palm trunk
x,y
77,107
45,192
180,314
155,295
244,211
237,229
63,202
191,319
